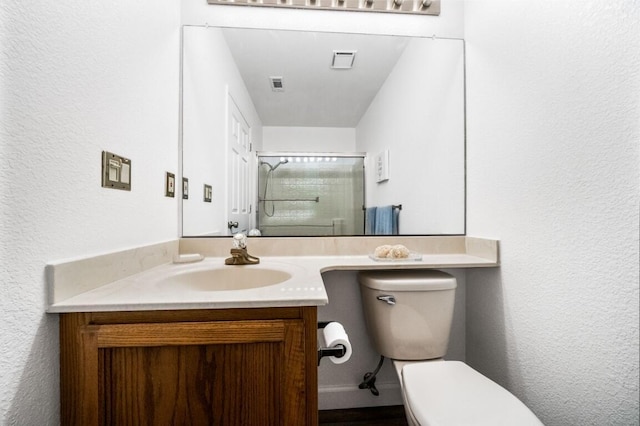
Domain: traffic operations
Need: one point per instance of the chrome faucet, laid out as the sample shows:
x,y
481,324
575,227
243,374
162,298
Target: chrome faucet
x,y
239,254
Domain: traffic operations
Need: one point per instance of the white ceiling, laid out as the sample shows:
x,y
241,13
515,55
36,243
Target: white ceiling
x,y
314,94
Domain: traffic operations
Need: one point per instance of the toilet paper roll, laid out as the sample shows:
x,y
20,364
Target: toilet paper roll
x,y
334,334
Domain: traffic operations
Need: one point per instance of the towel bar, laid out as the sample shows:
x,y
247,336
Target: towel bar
x,y
395,206
313,200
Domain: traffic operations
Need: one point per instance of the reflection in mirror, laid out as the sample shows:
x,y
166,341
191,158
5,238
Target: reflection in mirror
x,y
398,100
310,194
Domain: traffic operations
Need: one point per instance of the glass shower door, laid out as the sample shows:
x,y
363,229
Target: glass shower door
x,y
310,194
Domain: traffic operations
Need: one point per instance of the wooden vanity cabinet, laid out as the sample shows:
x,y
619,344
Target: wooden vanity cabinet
x,y
190,367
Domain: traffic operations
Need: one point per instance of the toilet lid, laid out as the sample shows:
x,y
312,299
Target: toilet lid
x,y
443,393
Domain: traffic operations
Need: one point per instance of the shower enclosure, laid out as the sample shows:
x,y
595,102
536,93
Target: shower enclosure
x,y
304,194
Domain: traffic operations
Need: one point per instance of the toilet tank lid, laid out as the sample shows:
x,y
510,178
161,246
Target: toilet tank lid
x,y
407,280
452,393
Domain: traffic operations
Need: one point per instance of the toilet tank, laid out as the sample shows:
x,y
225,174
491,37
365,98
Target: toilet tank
x,y
408,313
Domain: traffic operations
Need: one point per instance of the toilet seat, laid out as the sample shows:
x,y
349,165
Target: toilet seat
x,y
443,393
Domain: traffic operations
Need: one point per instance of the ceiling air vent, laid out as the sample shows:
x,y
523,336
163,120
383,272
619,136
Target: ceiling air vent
x,y
343,59
276,84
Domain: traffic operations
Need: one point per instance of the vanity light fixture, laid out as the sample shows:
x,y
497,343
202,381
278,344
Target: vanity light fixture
x,y
418,7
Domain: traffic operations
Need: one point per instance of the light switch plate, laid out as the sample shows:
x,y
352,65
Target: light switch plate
x,y
382,166
170,185
116,171
185,188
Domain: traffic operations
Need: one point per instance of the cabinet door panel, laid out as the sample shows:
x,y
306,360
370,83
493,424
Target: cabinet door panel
x,y
237,384
160,368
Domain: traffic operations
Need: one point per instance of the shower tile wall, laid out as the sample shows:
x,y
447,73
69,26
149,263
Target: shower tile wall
x,y
339,186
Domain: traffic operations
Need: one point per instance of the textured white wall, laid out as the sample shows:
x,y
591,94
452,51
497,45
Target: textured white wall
x,y
77,77
418,115
209,76
309,139
553,131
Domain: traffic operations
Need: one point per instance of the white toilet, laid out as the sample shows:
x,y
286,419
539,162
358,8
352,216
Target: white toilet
x,y
408,316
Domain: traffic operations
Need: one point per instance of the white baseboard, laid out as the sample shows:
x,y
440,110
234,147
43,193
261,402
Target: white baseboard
x,y
350,396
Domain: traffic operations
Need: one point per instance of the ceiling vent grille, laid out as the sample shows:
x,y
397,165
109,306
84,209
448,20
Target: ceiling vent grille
x,y
343,59
277,85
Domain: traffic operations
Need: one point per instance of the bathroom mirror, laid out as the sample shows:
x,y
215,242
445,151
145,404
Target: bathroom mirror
x,y
397,100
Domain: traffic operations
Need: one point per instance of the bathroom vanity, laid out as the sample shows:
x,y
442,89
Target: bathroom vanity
x,y
147,341
199,367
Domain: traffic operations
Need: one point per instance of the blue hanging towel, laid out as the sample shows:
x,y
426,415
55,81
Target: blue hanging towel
x,y
386,221
370,221
396,221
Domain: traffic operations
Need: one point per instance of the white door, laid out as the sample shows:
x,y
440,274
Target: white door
x,y
239,162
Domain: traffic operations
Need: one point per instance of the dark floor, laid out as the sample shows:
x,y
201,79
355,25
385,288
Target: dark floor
x,y
373,416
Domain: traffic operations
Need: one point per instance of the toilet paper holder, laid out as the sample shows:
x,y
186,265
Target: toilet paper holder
x,y
337,351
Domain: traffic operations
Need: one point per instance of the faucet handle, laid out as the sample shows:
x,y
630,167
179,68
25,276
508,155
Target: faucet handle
x,y
239,240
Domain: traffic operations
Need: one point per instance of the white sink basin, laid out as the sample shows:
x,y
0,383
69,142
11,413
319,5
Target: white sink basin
x,y
226,278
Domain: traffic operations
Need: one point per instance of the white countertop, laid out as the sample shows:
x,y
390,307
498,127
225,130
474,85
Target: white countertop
x,y
141,291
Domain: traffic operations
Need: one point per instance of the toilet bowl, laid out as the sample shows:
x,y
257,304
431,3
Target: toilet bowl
x,y
408,316
452,393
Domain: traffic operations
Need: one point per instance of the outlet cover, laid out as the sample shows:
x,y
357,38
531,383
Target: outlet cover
x,y
185,188
208,193
170,185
